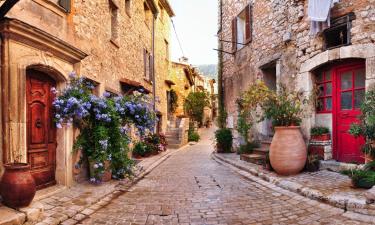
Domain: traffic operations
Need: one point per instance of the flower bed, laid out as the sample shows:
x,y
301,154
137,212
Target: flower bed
x,y
104,123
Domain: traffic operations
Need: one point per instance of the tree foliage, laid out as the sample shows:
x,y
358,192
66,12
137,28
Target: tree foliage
x,y
194,105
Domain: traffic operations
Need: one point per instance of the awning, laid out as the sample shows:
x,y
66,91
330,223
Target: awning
x,y
169,82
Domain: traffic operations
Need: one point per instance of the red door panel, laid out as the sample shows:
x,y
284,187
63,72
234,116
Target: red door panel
x,y
41,142
350,89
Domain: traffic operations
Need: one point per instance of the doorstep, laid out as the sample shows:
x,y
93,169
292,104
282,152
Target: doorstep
x,y
62,205
326,186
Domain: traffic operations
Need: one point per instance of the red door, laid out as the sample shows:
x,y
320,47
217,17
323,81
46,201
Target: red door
x,y
350,92
41,132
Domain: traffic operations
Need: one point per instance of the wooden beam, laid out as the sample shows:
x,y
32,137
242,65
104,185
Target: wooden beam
x,y
6,7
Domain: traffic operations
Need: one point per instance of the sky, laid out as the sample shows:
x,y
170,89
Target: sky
x,y
196,25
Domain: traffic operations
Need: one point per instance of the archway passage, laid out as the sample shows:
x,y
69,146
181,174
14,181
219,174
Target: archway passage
x,y
41,131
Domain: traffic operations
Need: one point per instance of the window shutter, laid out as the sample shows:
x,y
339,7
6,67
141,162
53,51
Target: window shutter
x,y
65,4
249,21
145,62
234,34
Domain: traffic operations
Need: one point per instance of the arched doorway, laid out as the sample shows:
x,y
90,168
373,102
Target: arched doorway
x,y
41,131
340,93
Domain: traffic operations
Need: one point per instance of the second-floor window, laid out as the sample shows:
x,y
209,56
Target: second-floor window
x,y
147,58
114,21
242,28
128,7
148,15
166,49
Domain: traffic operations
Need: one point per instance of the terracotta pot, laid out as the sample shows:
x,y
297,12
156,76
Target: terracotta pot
x,y
17,186
288,151
322,137
107,175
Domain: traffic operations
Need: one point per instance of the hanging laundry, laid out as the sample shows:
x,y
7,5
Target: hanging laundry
x,y
319,14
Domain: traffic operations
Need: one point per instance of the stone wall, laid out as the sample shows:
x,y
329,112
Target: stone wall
x,y
182,85
280,35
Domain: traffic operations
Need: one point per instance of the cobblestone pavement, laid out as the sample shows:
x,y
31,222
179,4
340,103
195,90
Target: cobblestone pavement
x,y
191,188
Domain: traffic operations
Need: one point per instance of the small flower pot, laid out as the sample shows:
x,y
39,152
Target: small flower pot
x,y
322,137
17,186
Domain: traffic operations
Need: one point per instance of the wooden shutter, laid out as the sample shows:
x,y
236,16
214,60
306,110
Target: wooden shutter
x,y
145,62
248,31
65,4
234,34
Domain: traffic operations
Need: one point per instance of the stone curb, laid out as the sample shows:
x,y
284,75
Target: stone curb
x,y
121,187
339,201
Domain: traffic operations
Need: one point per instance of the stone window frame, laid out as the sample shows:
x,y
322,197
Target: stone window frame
x,y
147,15
128,7
246,17
115,23
147,65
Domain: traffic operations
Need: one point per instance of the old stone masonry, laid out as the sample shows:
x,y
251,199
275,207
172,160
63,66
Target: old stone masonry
x,y
191,188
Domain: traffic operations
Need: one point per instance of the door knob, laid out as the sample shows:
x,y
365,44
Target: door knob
x,y
38,123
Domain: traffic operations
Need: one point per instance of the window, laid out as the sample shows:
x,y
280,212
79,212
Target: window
x,y
324,91
242,29
339,33
128,7
148,15
147,64
166,49
114,22
65,4
162,13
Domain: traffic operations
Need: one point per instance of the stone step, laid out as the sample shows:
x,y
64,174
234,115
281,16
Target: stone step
x,y
261,151
173,141
174,146
253,158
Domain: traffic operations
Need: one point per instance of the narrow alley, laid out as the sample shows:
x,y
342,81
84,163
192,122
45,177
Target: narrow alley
x,y
191,188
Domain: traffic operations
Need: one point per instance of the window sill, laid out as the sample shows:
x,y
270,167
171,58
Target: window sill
x,y
115,43
324,112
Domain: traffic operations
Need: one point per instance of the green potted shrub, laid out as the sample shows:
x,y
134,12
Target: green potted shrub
x,y
288,151
365,128
320,134
224,140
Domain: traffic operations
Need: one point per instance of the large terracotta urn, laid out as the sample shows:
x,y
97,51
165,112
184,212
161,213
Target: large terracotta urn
x,y
17,186
288,151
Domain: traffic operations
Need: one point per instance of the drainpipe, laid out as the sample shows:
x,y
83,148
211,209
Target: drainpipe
x,y
153,66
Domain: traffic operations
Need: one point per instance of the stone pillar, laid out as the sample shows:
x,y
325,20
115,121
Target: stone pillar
x,y
370,72
64,156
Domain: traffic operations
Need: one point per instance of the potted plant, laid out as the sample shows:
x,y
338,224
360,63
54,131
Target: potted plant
x,y
365,127
224,140
312,163
288,151
320,134
361,178
17,186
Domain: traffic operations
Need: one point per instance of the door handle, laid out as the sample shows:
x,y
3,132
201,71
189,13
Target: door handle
x,y
38,123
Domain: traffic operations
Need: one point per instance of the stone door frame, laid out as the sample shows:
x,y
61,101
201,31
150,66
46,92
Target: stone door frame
x,y
304,79
24,47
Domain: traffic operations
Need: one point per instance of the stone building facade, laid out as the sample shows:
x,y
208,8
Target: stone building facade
x,y
182,82
110,42
271,41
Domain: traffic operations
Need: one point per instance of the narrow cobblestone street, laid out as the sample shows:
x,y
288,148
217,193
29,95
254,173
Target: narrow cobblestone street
x,y
191,188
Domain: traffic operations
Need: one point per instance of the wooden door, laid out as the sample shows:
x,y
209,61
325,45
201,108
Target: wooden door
x,y
41,131
350,92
